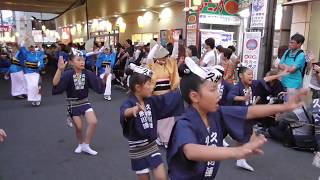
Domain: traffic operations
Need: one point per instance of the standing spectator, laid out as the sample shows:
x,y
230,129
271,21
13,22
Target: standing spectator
x,y
294,58
219,49
234,58
129,53
281,51
315,78
228,65
210,57
192,52
120,64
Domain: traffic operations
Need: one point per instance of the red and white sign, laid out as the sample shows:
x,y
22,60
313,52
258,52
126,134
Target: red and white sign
x,y
251,51
5,28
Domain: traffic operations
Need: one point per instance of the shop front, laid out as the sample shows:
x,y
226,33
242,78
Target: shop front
x,y
218,20
141,21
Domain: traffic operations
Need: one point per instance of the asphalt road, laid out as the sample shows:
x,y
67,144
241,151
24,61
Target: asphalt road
x,y
40,146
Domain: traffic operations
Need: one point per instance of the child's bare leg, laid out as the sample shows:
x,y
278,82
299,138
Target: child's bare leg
x,y
160,172
92,124
143,176
78,127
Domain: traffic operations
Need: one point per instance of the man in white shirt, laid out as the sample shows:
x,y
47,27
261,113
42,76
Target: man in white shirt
x,y
210,57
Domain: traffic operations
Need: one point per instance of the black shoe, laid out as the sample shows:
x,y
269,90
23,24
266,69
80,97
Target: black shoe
x,y
20,97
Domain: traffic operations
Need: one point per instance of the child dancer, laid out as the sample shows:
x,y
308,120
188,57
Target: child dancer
x,y
4,63
195,147
138,117
34,63
76,82
18,83
165,78
248,92
104,64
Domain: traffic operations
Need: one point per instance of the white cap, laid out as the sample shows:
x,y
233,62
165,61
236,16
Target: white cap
x,y
76,52
161,52
140,70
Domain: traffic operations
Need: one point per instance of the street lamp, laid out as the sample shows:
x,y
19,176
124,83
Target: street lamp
x,y
43,27
140,21
122,27
197,2
109,26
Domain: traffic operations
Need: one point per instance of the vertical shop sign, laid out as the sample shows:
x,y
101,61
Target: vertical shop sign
x,y
251,51
259,13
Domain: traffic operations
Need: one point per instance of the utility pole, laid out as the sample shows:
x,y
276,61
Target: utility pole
x,y
1,21
269,36
87,20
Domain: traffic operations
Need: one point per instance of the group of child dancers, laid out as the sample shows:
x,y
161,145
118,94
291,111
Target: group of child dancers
x,y
193,133
26,65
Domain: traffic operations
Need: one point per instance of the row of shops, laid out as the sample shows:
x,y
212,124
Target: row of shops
x,y
242,23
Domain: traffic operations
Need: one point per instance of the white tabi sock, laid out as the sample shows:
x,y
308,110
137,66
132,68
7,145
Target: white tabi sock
x,y
225,144
242,163
86,148
78,149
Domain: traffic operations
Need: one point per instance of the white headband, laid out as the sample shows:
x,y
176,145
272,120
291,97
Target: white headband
x,y
76,52
207,73
140,70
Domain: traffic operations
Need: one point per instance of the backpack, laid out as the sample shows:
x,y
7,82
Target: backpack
x,y
294,130
302,70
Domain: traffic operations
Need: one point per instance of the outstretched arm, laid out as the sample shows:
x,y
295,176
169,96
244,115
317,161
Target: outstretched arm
x,y
259,111
196,152
285,71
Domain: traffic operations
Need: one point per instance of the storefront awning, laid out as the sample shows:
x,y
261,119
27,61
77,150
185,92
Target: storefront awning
x,y
295,2
45,6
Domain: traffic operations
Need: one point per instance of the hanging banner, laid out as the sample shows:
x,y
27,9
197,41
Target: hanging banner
x,y
191,37
222,38
251,51
259,13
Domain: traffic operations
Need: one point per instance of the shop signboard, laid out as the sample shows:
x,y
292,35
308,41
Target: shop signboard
x,y
224,7
192,26
219,19
192,37
251,51
223,13
259,13
192,20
